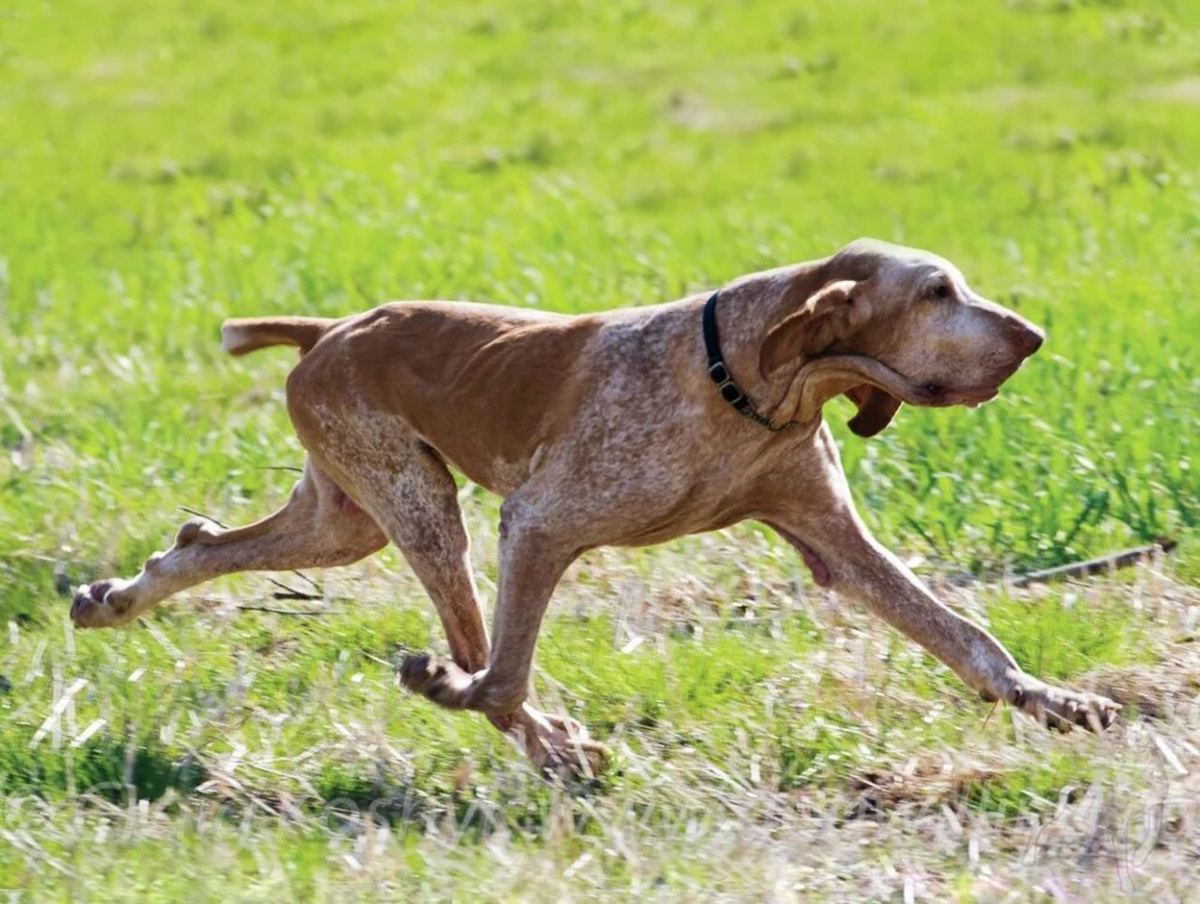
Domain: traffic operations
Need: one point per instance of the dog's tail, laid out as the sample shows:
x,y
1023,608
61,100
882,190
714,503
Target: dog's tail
x,y
245,334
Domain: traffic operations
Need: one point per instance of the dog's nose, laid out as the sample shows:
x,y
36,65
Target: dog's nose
x,y
1028,338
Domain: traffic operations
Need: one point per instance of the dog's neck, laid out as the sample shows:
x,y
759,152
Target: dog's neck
x,y
746,311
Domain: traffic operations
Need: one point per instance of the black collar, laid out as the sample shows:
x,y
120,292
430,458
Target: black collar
x,y
718,370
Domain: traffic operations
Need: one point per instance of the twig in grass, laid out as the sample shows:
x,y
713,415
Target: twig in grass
x,y
290,593
991,712
192,511
274,610
302,576
373,657
280,468
1100,565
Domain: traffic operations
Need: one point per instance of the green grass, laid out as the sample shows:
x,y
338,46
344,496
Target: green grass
x,y
164,166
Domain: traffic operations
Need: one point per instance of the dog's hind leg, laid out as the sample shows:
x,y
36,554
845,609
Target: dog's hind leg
x,y
319,527
412,495
502,673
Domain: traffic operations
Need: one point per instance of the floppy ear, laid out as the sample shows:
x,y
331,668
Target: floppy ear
x,y
829,314
874,387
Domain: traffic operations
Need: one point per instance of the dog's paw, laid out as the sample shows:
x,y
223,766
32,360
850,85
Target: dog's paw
x,y
441,680
558,746
567,753
99,605
1060,709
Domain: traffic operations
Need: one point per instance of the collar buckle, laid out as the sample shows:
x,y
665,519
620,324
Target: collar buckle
x,y
719,373
729,390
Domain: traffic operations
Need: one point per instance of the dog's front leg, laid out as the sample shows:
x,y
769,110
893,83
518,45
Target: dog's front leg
x,y
855,564
813,510
858,566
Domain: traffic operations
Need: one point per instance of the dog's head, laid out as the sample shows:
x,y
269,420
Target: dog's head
x,y
886,324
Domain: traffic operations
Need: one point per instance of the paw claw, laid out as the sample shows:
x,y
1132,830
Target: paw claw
x,y
1060,709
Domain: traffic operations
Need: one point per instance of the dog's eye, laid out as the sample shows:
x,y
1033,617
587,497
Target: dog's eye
x,y
941,290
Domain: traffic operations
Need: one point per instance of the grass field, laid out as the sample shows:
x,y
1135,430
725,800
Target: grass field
x,y
165,165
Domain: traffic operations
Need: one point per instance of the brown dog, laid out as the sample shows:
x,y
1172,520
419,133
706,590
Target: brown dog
x,y
607,429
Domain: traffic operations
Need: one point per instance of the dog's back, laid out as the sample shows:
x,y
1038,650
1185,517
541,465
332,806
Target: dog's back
x,y
485,385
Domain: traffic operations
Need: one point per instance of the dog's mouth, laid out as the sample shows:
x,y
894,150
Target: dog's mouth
x,y
970,396
882,377
939,395
878,405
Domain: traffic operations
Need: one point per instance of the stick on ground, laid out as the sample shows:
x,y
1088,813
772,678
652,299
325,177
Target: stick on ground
x,y
1100,565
